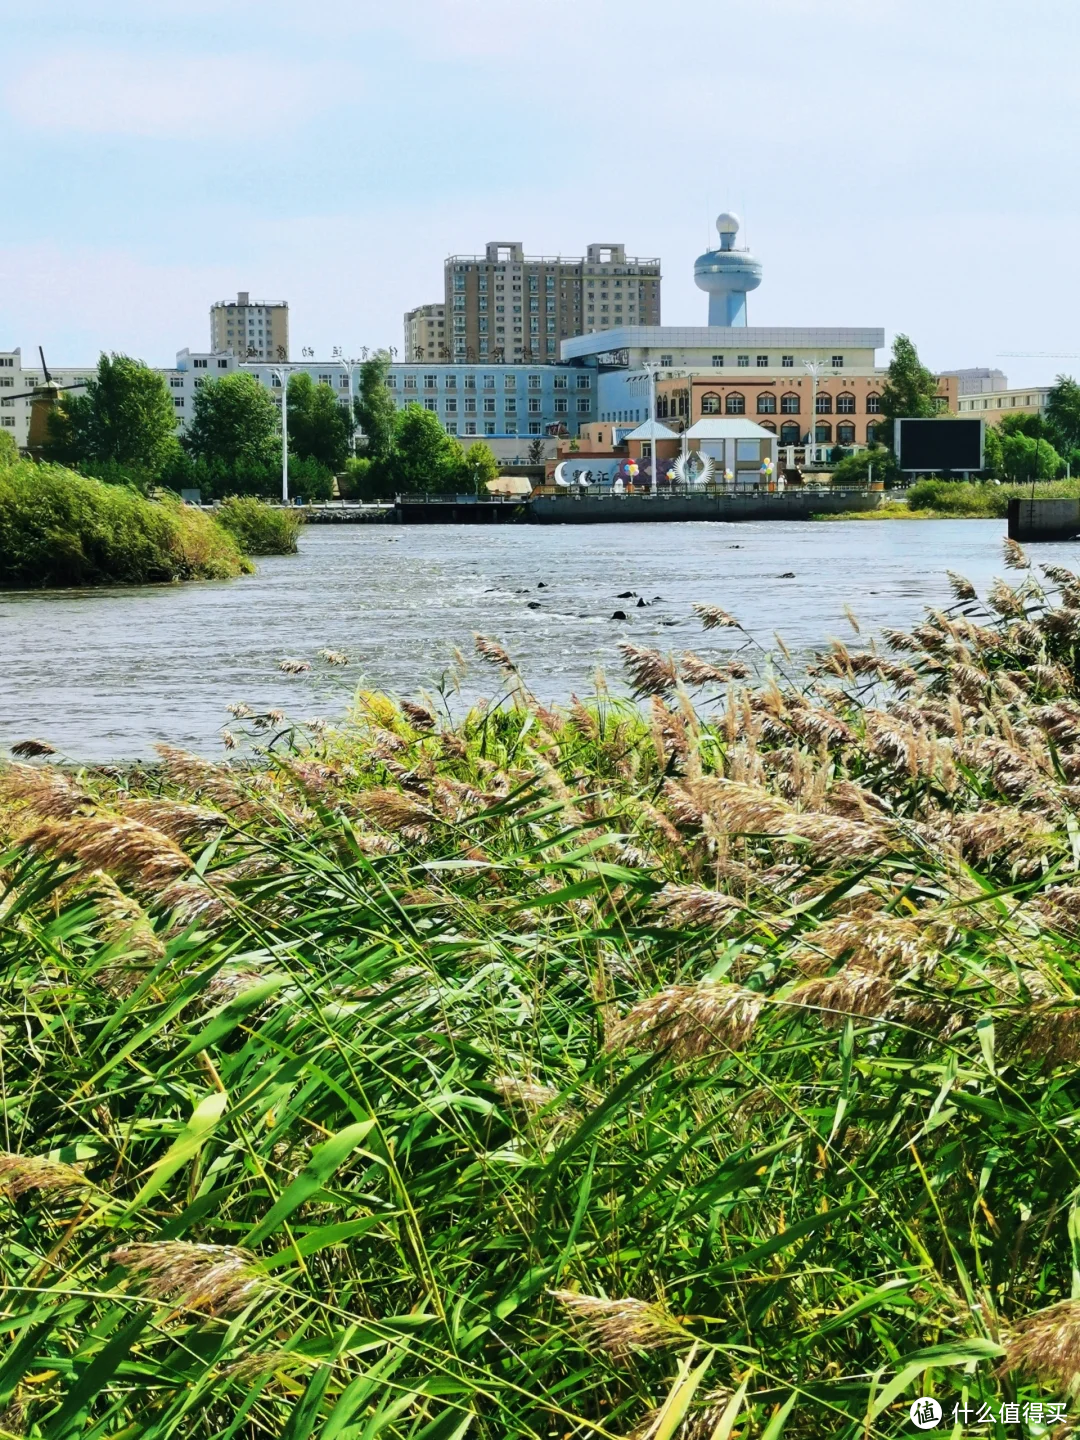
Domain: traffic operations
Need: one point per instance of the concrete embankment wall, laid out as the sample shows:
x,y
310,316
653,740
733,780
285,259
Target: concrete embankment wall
x,y
1044,519
753,505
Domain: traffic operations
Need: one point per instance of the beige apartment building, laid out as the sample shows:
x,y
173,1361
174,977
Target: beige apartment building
x,y
994,407
425,334
251,329
507,307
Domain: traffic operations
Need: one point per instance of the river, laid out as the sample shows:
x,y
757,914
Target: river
x,y
104,674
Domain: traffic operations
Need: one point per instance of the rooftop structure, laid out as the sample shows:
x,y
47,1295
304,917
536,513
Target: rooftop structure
x,y
727,274
251,329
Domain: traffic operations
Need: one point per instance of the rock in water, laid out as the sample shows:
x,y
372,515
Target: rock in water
x,y
619,615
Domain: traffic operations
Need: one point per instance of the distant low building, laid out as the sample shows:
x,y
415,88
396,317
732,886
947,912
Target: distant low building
x,y
995,406
978,381
17,382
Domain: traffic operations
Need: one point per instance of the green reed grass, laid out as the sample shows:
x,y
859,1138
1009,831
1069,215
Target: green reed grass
x,y
701,1068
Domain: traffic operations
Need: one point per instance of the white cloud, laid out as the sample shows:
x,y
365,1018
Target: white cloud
x,y
155,96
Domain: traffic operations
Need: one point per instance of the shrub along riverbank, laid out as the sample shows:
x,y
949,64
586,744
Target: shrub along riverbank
x,y
528,1075
58,528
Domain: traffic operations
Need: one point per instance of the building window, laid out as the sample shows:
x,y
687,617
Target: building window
x,y
743,361
665,359
489,382
534,427
766,404
510,381
199,364
9,421
410,382
735,404
768,425
489,427
430,402
470,405
489,404
789,403
451,427
562,405
873,404
561,382
710,403
845,404
583,407
470,382
837,362
534,382
822,432
451,406
823,404
534,406
470,427
788,362
845,434
391,382
178,401
222,364
451,382
584,382
789,434
430,381
718,362
510,428
871,434
941,403
763,362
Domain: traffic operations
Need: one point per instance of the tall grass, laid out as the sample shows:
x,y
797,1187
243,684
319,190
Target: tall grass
x,y
58,528
704,1071
971,499
258,528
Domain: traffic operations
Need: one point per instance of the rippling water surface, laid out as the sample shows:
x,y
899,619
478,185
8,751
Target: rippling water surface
x,y
104,674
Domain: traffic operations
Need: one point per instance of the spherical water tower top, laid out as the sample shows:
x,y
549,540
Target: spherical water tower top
x,y
726,274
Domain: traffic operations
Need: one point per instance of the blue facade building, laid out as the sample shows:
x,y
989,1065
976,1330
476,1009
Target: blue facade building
x,y
499,401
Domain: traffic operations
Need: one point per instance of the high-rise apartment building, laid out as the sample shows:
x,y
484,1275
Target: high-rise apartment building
x,y
251,329
507,307
425,333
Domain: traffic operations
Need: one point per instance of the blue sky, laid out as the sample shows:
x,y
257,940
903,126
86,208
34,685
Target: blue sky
x,y
905,163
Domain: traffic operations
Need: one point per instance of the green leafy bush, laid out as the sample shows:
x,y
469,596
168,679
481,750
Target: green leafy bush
x,y
973,499
58,529
259,529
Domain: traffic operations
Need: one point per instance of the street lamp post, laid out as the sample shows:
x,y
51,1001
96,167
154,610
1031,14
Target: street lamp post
x,y
815,369
283,373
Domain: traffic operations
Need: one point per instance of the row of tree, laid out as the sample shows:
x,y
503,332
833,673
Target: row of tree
x,y
122,427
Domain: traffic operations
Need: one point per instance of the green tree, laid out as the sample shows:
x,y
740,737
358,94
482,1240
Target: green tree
x,y
309,479
910,390
236,424
875,463
1063,413
424,457
375,408
320,428
479,466
1025,422
9,451
125,417
536,452
1026,458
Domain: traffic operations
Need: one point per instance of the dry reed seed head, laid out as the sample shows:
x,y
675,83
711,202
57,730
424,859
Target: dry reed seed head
x,y
650,672
879,944
1048,1033
174,818
240,710
396,811
32,749
850,991
196,775
1053,680
1061,721
1022,837
696,671
21,1174
124,917
962,588
622,1326
418,716
494,654
43,790
1046,1345
123,848
711,1018
1008,603
191,902
713,618
1015,555
333,657
215,1279
694,905
527,1094
290,666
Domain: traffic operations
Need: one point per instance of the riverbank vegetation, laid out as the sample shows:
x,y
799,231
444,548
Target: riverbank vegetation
x,y
703,1067
257,528
58,528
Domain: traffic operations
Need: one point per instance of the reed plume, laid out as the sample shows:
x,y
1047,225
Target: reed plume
x,y
217,1280
691,1021
650,672
126,849
294,667
23,1174
694,905
32,749
43,790
1046,1345
713,618
622,1326
494,654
